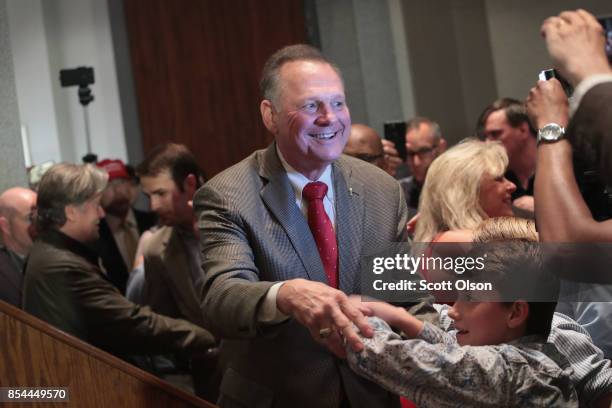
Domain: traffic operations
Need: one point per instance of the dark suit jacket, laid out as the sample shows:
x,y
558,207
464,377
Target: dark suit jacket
x,y
253,235
590,132
112,260
11,276
168,284
65,287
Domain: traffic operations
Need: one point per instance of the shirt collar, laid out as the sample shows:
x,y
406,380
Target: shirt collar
x,y
63,241
298,181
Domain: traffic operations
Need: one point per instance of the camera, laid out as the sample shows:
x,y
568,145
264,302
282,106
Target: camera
x,y
81,76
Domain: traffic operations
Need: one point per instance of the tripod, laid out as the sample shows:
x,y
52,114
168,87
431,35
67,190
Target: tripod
x,y
85,97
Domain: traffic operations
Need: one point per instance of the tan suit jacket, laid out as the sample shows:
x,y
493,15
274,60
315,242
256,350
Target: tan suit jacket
x,y
253,234
169,286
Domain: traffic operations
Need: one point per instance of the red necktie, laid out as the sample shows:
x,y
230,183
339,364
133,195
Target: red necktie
x,y
322,230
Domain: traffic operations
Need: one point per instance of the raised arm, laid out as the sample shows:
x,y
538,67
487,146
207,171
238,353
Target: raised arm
x,y
575,43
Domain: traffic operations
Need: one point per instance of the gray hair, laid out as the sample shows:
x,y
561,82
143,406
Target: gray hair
x,y
269,85
65,184
415,124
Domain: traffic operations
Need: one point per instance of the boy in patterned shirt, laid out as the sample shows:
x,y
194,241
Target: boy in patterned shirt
x,y
494,354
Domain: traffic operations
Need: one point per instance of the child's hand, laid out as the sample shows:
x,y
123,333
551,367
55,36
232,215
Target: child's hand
x,y
389,313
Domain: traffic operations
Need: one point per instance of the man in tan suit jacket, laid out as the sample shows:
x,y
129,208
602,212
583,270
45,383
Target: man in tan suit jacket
x,y
173,276
267,293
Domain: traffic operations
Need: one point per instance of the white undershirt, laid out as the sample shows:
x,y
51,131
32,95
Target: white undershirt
x,y
268,312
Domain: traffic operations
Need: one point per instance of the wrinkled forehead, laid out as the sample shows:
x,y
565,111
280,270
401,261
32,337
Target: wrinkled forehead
x,y
421,136
309,79
24,202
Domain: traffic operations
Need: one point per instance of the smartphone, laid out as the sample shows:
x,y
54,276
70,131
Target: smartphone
x,y
547,74
395,131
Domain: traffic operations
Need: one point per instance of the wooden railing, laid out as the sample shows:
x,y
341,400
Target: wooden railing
x,y
36,354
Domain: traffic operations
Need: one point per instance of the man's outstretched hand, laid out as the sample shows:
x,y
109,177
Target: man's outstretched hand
x,y
326,312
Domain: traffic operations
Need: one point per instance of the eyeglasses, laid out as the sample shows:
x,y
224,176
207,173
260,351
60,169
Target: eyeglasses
x,y
421,152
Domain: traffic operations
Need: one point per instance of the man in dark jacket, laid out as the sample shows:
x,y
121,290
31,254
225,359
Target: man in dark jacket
x,y
122,225
65,286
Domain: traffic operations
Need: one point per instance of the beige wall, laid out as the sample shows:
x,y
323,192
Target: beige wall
x,y
463,54
519,52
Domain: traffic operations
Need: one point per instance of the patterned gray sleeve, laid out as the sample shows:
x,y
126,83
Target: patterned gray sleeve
x,y
592,374
435,371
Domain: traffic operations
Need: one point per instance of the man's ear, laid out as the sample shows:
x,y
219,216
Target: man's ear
x,y
70,212
441,146
4,225
267,115
190,184
525,130
519,312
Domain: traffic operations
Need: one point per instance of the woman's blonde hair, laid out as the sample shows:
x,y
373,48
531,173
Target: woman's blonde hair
x,y
450,198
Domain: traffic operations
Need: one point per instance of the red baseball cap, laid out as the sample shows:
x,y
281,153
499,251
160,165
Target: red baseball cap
x,y
115,169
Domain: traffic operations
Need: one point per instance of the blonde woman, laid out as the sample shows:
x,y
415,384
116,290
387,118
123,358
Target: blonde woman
x,y
464,186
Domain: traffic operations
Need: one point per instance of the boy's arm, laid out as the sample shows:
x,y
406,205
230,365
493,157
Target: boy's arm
x,y
433,369
396,317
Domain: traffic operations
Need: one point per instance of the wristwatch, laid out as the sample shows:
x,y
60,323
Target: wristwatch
x,y
551,133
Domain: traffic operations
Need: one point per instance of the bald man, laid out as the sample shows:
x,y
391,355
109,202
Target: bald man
x,y
365,144
15,212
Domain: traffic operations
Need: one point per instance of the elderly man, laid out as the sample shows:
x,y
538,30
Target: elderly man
x,y
283,234
424,142
365,144
65,286
16,206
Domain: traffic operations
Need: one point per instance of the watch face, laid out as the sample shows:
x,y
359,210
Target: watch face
x,y
551,132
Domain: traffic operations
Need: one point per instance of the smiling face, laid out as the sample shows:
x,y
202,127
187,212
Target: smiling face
x,y
496,195
480,323
84,219
310,120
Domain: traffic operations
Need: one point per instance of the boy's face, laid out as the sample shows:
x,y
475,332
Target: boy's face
x,y
481,323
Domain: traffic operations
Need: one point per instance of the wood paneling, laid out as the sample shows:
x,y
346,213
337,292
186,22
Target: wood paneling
x,y
35,354
197,64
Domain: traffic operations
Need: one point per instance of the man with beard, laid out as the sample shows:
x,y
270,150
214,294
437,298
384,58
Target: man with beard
x,y
65,286
122,226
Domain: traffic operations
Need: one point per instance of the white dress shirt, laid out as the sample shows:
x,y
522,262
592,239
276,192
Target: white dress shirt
x,y
268,312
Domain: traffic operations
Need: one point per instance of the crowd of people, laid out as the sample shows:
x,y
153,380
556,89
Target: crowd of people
x,y
245,288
